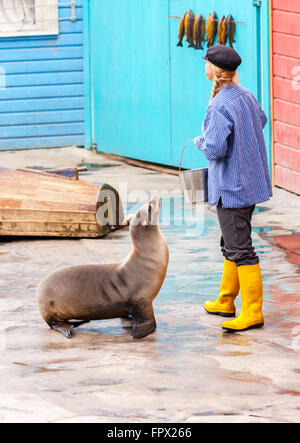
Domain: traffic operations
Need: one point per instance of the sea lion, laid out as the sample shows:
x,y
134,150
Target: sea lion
x,y
76,295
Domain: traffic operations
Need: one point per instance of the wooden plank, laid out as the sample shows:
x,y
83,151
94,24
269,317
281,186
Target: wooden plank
x,y
42,142
286,90
286,134
24,190
69,27
14,55
287,179
287,5
47,216
13,132
42,92
70,39
287,157
34,227
35,105
287,112
286,22
13,233
39,66
145,165
59,78
288,45
286,67
27,203
46,187
34,118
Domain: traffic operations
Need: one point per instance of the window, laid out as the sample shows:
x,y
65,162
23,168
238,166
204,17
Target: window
x,y
28,17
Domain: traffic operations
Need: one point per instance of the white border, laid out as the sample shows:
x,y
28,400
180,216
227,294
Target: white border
x,y
46,18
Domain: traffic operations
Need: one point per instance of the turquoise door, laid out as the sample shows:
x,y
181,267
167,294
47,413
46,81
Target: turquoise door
x,y
146,95
129,42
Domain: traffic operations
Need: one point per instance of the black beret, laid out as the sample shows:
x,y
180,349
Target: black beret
x,y
224,57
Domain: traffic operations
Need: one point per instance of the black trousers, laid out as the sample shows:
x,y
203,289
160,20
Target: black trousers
x,y
236,241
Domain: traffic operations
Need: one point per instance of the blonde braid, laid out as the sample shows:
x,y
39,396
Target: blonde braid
x,y
221,78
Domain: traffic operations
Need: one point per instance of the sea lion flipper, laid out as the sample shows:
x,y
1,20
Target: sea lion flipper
x,y
143,321
63,328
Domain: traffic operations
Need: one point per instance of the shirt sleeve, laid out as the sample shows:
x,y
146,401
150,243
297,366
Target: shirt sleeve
x,y
263,117
216,129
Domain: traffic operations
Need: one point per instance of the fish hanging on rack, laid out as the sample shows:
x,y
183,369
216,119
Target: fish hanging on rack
x,y
211,28
230,30
190,28
222,31
186,24
181,31
199,31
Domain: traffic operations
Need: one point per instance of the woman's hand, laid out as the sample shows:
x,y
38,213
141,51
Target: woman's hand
x,y
195,142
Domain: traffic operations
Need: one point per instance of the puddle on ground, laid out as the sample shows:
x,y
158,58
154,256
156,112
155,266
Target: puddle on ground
x,y
96,166
260,209
262,230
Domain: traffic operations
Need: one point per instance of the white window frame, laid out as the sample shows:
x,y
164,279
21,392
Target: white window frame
x,y
47,21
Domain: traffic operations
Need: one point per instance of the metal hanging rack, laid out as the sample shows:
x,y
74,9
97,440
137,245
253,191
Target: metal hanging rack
x,y
205,19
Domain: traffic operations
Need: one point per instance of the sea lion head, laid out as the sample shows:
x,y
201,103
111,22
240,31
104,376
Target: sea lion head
x,y
146,220
148,215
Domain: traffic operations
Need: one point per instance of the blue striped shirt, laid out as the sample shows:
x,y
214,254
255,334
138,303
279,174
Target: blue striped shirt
x,y
234,144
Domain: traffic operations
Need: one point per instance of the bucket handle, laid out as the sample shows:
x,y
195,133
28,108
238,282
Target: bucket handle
x,y
190,141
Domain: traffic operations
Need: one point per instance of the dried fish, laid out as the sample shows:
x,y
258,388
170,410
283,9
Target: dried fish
x,y
222,31
186,24
230,30
190,29
181,31
211,28
199,31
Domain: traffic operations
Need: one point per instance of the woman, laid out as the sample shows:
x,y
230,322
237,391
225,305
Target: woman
x,y
239,178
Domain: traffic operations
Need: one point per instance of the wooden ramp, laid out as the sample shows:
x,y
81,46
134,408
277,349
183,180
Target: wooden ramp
x,y
41,204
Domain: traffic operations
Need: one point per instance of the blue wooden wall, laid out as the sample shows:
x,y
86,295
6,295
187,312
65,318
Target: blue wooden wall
x,y
43,103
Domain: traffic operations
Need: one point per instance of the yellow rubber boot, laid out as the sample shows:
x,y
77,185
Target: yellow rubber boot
x,y
252,300
229,290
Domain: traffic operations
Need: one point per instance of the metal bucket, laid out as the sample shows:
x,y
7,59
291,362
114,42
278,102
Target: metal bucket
x,y
194,182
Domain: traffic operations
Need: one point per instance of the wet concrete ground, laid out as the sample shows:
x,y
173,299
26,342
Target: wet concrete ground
x,y
189,370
